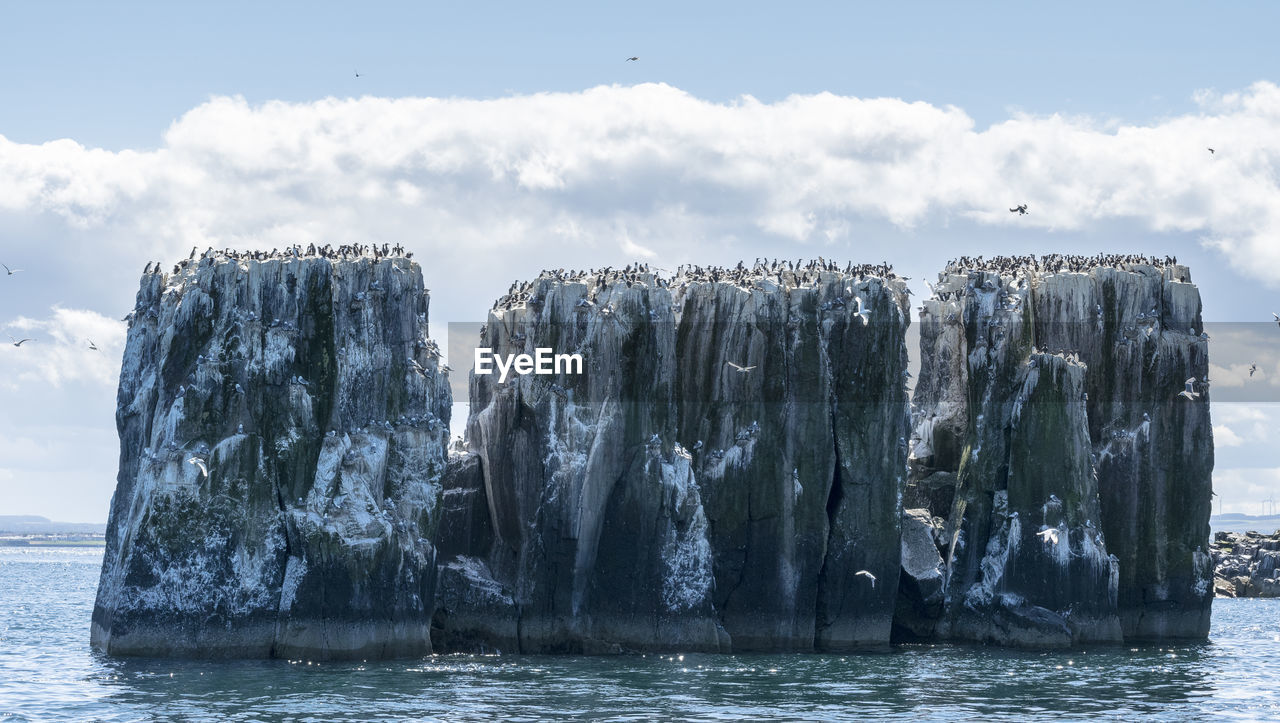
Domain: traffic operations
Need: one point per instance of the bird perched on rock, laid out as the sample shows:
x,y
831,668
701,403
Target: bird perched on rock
x,y
1189,391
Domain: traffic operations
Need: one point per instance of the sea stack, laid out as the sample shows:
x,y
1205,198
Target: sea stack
x,y
1064,476
283,428
719,459
729,461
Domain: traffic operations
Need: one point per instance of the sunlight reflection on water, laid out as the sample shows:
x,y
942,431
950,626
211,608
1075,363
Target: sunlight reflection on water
x,y
47,671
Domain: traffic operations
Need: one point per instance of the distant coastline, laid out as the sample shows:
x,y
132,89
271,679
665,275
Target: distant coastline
x,y
1238,522
53,541
37,531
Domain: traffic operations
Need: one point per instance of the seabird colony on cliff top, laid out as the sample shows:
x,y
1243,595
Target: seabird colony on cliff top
x,y
783,272
296,251
1053,263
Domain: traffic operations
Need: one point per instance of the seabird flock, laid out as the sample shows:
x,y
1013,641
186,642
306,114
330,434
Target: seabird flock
x,y
783,272
1030,264
296,251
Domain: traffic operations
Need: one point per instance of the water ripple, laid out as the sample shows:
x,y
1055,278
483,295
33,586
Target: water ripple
x,y
48,672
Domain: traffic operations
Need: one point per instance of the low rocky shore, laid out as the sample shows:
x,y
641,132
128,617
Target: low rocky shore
x,y
1246,564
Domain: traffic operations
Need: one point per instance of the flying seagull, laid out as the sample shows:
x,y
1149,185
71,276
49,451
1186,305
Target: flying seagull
x,y
867,575
204,471
1020,209
357,74
1252,368
1050,536
10,271
634,57
740,369
861,312
92,346
1211,151
1277,316
19,342
1190,390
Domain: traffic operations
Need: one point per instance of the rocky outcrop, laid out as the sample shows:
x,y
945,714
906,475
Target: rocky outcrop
x,y
717,478
727,471
1246,564
283,428
1051,437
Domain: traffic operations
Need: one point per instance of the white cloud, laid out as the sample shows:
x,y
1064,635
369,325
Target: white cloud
x,y
489,190
1237,413
1233,375
1243,489
59,350
667,168
1224,437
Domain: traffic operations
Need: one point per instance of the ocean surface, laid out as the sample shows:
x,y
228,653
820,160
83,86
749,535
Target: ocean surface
x,y
48,672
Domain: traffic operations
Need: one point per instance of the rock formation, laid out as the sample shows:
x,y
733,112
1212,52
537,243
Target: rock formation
x,y
728,470
1064,471
668,499
283,428
1246,564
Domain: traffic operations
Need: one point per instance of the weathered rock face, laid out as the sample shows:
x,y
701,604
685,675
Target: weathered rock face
x,y
1075,484
803,457
1246,564
308,390
727,472
664,499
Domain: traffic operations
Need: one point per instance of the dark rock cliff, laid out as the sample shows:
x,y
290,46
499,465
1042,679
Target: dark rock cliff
x,y
283,429
1068,474
668,499
737,467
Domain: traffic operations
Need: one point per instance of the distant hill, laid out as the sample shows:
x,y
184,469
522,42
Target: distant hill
x,y
1237,522
36,525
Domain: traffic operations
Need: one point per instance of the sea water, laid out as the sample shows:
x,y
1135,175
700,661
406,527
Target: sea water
x,y
49,672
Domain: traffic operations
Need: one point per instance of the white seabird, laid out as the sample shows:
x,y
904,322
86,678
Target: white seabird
x,y
10,271
1189,391
1050,536
857,309
204,471
19,342
740,369
867,575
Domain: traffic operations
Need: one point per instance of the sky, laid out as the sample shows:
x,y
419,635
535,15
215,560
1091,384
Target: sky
x,y
500,139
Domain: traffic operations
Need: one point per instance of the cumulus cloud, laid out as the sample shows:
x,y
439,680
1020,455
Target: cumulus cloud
x,y
489,190
1223,436
1244,489
59,351
651,168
